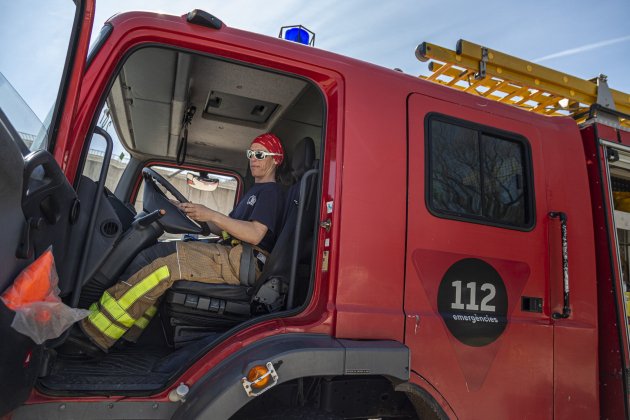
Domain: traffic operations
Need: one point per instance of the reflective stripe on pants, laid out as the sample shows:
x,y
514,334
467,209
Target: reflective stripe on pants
x,y
109,319
133,333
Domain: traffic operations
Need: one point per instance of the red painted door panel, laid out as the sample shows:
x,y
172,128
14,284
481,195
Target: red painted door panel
x,y
477,294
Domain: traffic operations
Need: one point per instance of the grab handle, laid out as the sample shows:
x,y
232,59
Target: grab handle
x,y
566,308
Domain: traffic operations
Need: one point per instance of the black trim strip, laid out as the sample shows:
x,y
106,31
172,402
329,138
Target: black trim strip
x,y
104,33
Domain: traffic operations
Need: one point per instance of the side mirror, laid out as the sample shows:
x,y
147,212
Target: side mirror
x,y
202,182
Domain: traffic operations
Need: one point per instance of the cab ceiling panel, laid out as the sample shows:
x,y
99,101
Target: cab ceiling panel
x,y
236,103
151,127
149,75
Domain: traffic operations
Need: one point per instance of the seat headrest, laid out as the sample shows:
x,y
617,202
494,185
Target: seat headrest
x,y
303,157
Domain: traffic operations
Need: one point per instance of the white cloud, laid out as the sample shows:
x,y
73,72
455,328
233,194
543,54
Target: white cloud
x,y
583,48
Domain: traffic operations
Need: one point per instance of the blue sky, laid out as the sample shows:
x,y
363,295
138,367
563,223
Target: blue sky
x,y
579,37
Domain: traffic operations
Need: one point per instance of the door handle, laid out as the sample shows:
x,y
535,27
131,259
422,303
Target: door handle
x,y
566,308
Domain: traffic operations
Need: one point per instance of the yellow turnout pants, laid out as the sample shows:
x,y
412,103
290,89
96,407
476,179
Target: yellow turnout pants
x,y
126,308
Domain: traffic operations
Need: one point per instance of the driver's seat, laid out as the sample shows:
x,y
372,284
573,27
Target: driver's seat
x,y
191,309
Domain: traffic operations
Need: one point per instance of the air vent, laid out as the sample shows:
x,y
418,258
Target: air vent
x,y
109,228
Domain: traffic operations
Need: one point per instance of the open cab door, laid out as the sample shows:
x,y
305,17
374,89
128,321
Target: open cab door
x,y
609,149
37,204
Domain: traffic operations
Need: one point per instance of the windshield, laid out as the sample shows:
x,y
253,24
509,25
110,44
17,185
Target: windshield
x,y
24,120
34,39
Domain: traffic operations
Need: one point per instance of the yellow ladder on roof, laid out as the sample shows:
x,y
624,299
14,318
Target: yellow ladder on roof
x,y
504,78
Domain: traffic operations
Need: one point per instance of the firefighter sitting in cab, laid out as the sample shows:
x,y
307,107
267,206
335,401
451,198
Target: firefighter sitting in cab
x,y
124,310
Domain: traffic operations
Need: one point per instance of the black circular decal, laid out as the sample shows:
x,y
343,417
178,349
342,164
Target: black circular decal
x,y
473,302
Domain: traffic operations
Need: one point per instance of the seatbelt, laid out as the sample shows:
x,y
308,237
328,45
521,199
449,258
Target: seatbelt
x,y
247,273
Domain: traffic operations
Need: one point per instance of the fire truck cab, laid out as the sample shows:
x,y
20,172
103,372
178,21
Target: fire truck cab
x,y
444,254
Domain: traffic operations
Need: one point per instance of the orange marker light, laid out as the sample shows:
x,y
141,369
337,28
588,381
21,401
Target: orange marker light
x,y
257,372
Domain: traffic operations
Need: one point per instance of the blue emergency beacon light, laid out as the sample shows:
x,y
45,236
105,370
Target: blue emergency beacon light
x,y
297,33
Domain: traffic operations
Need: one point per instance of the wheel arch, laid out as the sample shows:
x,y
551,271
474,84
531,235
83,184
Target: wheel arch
x,y
220,393
425,405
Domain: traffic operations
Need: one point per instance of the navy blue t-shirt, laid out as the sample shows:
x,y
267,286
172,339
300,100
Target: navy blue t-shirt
x,y
264,203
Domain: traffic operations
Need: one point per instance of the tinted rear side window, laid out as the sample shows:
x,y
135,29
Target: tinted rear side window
x,y
477,175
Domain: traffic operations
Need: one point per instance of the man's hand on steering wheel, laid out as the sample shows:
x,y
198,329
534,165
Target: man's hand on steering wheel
x,y
197,212
175,216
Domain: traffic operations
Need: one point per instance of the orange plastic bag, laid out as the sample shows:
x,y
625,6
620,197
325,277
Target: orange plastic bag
x,y
33,284
34,296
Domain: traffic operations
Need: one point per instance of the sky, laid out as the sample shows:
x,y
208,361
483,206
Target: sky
x,y
579,37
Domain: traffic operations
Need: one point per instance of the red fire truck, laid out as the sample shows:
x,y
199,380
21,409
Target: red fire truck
x,y
455,251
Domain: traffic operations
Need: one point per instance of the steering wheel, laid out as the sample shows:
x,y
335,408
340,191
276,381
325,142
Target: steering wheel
x,y
175,220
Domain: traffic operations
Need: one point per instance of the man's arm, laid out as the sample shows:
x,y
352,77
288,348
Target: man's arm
x,y
214,228
247,231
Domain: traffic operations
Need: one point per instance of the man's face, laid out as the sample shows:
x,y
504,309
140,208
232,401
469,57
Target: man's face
x,y
261,168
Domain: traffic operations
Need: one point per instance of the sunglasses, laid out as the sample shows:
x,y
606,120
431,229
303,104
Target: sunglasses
x,y
260,154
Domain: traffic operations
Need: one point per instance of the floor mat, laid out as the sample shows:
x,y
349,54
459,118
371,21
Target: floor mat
x,y
122,370
140,368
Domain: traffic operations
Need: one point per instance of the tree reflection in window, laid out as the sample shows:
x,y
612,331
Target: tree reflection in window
x,y
477,175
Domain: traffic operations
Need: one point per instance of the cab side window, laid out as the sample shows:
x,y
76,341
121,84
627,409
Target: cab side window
x,y
119,160
477,174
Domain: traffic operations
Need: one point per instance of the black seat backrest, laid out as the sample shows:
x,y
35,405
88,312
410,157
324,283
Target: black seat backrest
x,y
279,262
303,159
